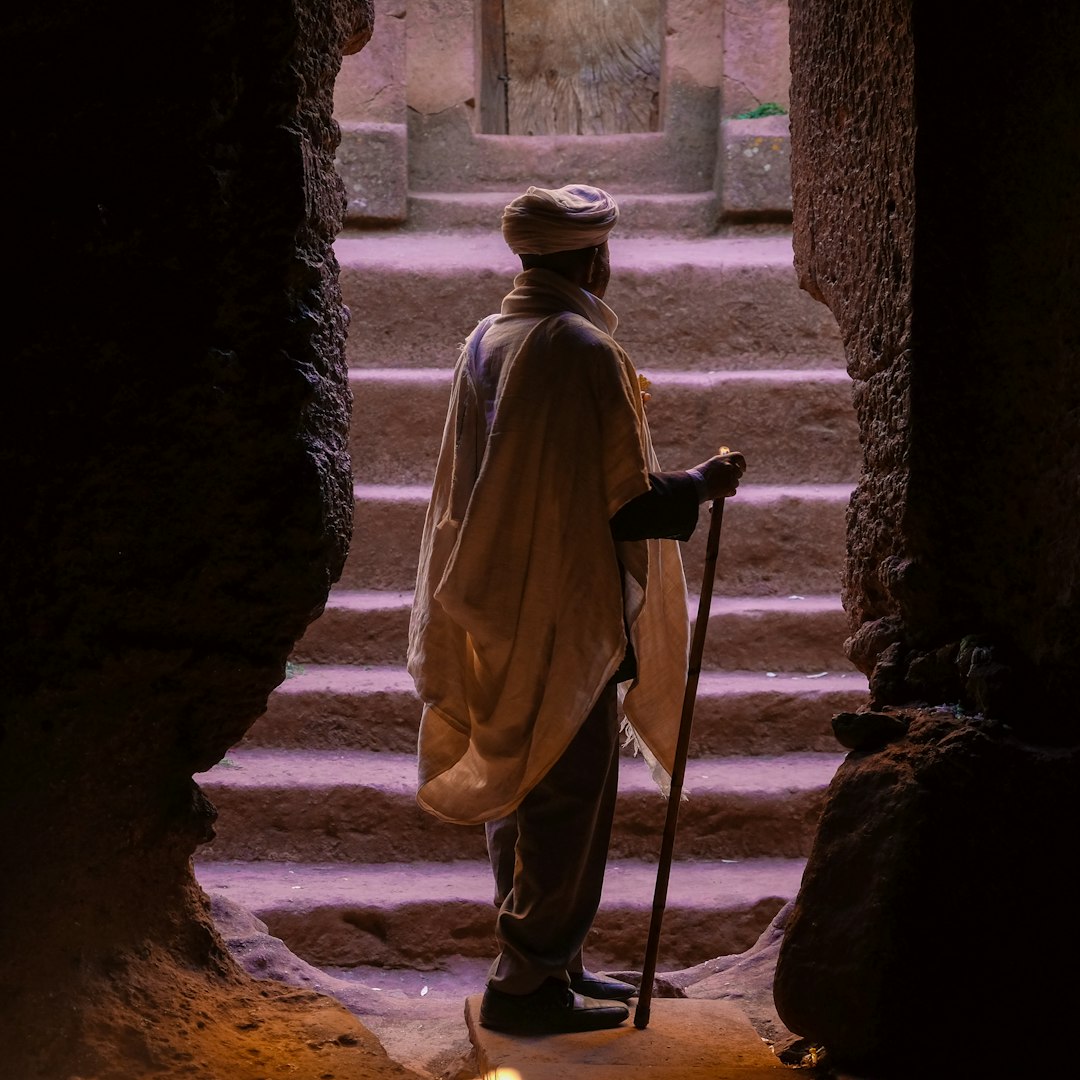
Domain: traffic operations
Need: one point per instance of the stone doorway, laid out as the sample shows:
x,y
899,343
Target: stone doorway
x,y
318,821
425,111
318,824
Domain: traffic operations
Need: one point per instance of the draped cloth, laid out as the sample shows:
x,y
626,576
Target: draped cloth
x,y
522,595
546,220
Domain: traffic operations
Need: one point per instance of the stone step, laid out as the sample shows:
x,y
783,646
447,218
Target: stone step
x,y
445,150
690,1038
794,426
778,633
414,915
713,303
359,806
736,712
778,539
640,214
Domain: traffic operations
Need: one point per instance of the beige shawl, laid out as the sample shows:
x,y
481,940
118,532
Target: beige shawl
x,y
518,617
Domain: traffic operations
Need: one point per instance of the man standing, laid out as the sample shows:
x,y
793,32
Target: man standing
x,y
549,574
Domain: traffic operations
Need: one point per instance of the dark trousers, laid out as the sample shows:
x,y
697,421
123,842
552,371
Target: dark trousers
x,y
549,855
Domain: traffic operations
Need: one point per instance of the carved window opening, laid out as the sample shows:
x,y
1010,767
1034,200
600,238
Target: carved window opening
x,y
570,67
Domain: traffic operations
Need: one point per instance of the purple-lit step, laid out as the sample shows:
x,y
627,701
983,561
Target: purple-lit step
x,y
376,708
414,915
777,540
703,303
691,213
746,633
358,806
795,426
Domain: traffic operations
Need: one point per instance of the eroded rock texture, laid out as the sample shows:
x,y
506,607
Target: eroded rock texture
x,y
177,493
935,151
927,937
937,218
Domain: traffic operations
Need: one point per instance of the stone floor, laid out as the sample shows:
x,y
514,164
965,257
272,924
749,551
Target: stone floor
x,y
684,1040
724,1029
431,1026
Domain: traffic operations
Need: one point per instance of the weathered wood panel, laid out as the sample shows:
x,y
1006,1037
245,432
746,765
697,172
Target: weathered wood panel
x,y
492,67
583,67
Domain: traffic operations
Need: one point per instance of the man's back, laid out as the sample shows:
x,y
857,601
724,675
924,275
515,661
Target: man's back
x,y
527,594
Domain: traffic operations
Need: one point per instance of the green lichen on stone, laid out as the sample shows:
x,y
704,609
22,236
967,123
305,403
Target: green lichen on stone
x,y
768,108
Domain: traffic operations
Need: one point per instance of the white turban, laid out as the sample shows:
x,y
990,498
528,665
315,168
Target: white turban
x,y
544,220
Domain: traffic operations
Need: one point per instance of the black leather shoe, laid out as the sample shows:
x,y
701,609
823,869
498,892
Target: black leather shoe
x,y
553,1009
598,986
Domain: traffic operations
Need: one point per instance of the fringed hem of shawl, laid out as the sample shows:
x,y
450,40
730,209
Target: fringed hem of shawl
x,y
631,739
660,776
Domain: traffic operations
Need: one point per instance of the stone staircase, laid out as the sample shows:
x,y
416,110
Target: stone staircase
x,y
319,834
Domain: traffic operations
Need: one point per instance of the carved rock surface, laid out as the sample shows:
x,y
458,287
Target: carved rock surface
x,y
177,479
926,938
951,281
929,914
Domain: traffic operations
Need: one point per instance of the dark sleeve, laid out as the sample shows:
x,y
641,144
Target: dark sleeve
x,y
668,510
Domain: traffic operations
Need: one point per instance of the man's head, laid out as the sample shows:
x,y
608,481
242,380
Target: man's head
x,y
588,267
564,230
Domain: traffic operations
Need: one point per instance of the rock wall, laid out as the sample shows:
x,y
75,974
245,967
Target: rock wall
x,y
928,919
178,491
951,266
993,582
935,150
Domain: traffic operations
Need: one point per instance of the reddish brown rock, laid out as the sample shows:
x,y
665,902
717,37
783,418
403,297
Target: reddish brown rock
x,y
925,936
177,492
924,922
946,282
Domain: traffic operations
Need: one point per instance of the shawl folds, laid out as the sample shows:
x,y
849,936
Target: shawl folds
x,y
518,616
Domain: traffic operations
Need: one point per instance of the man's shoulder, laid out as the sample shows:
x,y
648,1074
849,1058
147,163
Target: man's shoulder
x,y
571,350
570,328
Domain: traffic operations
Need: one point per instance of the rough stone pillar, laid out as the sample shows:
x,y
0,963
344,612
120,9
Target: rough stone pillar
x,y
937,217
177,489
935,163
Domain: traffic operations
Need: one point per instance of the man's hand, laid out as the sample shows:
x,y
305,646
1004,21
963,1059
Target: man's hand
x,y
721,474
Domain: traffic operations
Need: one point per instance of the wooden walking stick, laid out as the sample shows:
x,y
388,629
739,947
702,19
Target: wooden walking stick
x,y
678,772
